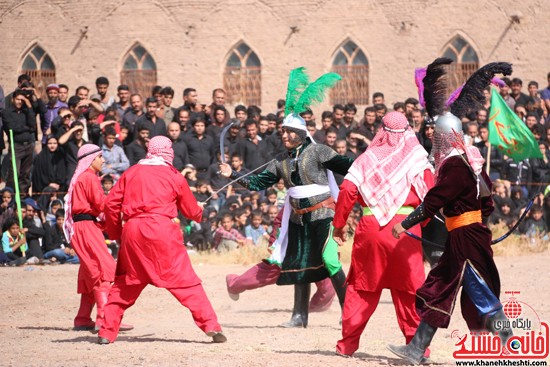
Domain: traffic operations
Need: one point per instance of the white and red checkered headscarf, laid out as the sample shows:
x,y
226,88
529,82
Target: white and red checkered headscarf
x,y
393,162
86,155
159,152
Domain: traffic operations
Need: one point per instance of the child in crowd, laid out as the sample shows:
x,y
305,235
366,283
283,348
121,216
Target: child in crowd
x,y
271,196
107,182
226,237
190,174
12,240
55,205
280,189
256,234
201,191
241,220
535,225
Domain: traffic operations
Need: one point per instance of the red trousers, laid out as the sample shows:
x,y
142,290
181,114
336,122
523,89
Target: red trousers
x,y
123,296
359,307
263,274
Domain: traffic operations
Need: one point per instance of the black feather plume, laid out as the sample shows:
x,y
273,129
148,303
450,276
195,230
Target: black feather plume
x,y
435,86
472,97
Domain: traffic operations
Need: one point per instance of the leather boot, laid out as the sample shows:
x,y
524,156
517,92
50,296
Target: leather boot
x,y
83,320
101,298
340,286
301,306
504,331
414,351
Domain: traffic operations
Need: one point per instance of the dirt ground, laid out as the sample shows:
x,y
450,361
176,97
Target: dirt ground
x,y
39,303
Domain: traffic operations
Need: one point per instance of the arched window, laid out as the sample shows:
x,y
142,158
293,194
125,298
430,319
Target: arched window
x,y
352,65
465,61
242,79
40,67
139,71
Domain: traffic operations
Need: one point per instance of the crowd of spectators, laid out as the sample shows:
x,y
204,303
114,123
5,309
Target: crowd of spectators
x,y
48,130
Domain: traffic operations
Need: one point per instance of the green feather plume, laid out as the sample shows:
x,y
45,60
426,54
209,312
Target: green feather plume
x,y
315,92
298,81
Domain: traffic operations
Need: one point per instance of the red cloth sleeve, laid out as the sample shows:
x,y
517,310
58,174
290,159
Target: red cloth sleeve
x,y
187,203
346,200
113,210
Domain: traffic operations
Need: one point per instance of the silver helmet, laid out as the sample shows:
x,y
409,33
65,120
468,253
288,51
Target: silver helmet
x,y
448,128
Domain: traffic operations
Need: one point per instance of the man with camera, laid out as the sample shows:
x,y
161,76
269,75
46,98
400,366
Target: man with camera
x,y
21,119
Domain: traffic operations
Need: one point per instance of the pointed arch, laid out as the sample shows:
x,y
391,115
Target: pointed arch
x,y
38,64
242,77
139,70
466,61
351,63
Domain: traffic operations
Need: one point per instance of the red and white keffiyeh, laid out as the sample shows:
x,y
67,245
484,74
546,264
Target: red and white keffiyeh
x,y
86,155
159,152
393,162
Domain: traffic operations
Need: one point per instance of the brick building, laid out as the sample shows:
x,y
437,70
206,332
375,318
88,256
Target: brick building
x,y
249,46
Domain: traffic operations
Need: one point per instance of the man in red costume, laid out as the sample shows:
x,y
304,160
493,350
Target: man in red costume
x,y
147,198
389,180
83,204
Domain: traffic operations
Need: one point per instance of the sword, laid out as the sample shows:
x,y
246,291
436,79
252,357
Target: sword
x,y
493,242
222,140
237,179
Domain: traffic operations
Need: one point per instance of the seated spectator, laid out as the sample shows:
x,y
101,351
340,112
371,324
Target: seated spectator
x,y
273,196
137,149
200,236
241,219
519,200
201,192
255,233
33,229
237,164
534,225
48,172
116,161
226,237
53,207
503,212
12,240
56,247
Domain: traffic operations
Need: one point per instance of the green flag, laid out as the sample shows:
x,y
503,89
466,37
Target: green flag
x,y
508,133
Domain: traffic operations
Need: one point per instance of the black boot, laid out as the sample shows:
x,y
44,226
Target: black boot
x,y
340,286
301,306
414,351
498,324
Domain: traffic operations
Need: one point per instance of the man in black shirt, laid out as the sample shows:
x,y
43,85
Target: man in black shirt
x,y
20,118
130,117
253,149
150,120
201,147
137,149
181,156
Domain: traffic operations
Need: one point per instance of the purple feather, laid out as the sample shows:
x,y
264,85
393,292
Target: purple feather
x,y
419,75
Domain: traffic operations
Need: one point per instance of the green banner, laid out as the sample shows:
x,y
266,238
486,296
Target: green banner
x,y
508,133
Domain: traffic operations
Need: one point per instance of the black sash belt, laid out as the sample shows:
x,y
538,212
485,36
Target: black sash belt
x,y
81,217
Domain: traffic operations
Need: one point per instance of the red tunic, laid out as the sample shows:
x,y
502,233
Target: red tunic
x,y
152,249
378,259
96,263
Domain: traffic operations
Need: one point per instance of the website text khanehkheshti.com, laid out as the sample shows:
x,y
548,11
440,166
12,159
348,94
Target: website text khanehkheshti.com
x,y
501,362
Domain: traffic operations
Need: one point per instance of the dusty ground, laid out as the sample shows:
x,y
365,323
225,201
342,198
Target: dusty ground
x,y
39,303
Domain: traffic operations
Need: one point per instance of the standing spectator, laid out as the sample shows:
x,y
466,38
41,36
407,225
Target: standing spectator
x,y
496,160
7,205
326,122
52,109
241,113
71,141
253,150
115,161
275,141
200,147
20,118
181,155
220,117
521,98
150,120
63,94
48,172
190,99
165,111
541,168
183,117
131,116
137,149
545,94
519,174
102,85
123,104
505,93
